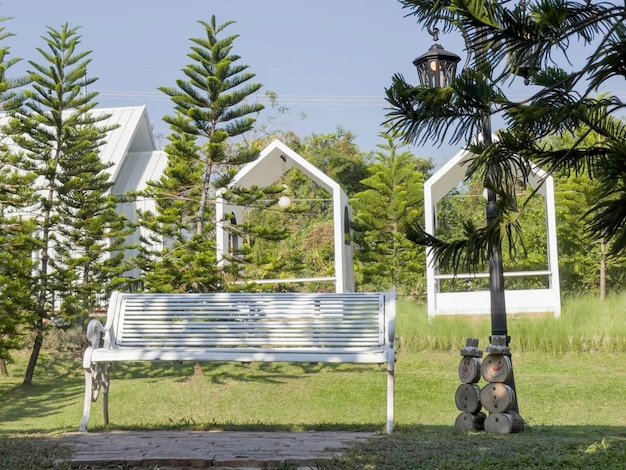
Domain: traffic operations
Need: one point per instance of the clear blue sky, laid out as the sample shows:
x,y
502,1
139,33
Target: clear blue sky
x,y
327,60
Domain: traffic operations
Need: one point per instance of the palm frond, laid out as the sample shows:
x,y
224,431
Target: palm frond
x,y
452,114
431,13
474,249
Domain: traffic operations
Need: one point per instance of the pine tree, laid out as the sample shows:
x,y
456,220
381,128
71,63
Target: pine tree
x,y
59,137
89,253
17,244
393,200
16,233
211,109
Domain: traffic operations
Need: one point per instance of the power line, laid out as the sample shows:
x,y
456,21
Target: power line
x,y
311,100
318,100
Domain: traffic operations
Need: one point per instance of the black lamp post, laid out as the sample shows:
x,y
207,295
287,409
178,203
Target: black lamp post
x,y
437,68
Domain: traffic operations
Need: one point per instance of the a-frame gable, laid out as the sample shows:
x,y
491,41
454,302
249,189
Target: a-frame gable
x,y
273,162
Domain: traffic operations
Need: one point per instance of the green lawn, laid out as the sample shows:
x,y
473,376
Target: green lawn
x,y
572,401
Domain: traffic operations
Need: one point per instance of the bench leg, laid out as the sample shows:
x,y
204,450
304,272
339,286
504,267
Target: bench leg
x,y
87,403
96,380
105,403
391,393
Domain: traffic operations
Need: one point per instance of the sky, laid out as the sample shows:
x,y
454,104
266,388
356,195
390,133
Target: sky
x,y
328,62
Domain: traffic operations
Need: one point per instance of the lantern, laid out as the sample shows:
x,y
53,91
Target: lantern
x,y
437,67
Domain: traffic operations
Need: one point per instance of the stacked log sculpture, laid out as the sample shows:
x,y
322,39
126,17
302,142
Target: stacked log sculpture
x,y
497,397
467,395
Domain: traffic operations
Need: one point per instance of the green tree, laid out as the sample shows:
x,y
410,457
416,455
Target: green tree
x,y
15,232
393,200
89,252
59,136
211,110
339,157
584,266
17,242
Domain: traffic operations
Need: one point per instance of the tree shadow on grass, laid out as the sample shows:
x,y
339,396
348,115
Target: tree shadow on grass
x,y
221,372
59,384
215,372
39,400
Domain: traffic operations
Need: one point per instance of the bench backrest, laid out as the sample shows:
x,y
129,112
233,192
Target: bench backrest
x,y
233,319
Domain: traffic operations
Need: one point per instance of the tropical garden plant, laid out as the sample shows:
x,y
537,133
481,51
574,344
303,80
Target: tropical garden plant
x,y
511,43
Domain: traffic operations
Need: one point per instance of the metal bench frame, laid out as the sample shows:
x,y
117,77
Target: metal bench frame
x,y
240,327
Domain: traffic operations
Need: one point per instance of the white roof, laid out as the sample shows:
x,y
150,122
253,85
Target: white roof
x,y
274,161
132,139
130,148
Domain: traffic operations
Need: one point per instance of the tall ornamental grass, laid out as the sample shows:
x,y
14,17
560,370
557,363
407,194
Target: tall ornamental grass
x,y
586,324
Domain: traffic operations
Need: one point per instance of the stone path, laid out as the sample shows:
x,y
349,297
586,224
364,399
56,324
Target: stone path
x,y
225,449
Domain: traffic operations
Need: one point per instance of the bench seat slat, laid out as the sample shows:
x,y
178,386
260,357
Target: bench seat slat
x,y
234,344
243,331
356,355
296,321
252,316
225,314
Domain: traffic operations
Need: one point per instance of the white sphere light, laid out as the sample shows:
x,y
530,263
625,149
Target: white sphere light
x,y
284,202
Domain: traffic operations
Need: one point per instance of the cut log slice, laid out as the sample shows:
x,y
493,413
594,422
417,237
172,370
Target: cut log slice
x,y
497,397
469,370
467,421
467,398
504,423
496,368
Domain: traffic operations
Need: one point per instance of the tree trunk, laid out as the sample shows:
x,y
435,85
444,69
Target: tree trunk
x,y
3,368
30,371
602,270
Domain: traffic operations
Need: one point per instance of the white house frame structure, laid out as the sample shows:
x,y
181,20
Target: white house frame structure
x,y
538,301
274,161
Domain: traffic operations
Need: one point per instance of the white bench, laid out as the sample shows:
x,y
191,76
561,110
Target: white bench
x,y
222,327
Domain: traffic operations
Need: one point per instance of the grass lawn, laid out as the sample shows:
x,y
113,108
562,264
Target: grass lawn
x,y
570,395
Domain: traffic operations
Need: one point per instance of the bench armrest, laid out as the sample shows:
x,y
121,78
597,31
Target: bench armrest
x,y
391,332
390,313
